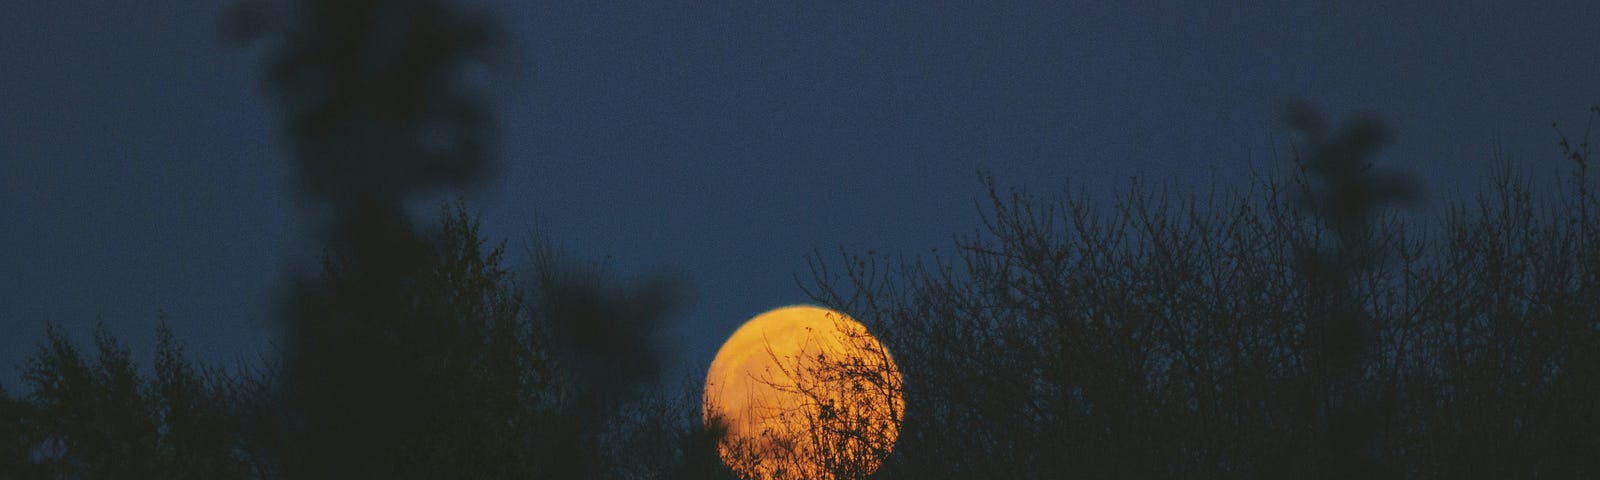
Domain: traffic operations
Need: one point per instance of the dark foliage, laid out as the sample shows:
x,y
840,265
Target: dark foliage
x,y
462,378
98,417
1291,331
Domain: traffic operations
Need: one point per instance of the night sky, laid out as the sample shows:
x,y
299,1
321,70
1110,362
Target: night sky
x,y
142,173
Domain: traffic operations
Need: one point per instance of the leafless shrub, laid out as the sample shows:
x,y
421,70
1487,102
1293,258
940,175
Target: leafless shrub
x,y
1185,335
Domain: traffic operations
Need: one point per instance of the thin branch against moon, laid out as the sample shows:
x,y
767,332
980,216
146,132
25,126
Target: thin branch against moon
x,y
806,411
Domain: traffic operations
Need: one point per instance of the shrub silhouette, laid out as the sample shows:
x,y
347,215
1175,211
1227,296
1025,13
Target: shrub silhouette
x,y
1292,330
98,417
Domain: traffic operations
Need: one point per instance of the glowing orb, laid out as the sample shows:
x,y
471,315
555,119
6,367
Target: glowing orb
x,y
804,392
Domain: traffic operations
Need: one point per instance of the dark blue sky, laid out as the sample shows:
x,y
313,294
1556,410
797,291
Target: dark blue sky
x,y
141,172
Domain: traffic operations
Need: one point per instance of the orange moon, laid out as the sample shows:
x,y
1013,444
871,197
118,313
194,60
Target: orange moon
x,y
804,392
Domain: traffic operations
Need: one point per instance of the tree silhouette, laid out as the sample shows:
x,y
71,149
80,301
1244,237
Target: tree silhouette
x,y
99,418
1291,330
613,417
1339,190
420,374
410,355
415,354
15,443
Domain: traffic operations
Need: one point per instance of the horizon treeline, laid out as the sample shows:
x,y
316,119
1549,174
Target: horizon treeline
x,y
1297,329
1160,336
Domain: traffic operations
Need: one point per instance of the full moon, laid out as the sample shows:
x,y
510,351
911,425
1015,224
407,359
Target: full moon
x,y
804,392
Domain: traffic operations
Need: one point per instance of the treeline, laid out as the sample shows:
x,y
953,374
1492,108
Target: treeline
x,y
1162,336
1299,329
479,373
